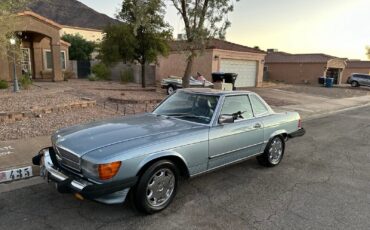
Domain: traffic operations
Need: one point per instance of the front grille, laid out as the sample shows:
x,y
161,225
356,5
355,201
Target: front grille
x,y
67,158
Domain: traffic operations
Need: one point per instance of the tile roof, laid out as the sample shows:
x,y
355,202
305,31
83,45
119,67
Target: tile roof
x,y
41,18
214,44
282,57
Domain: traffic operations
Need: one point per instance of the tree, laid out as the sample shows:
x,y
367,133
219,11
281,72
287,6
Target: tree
x,y
8,22
203,20
142,36
80,48
368,52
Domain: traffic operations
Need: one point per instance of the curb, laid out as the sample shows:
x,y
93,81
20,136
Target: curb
x,y
34,172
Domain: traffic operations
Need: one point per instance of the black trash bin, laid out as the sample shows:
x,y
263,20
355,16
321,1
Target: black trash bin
x,y
225,77
322,80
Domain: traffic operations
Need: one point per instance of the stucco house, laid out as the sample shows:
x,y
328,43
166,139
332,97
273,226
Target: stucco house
x,y
44,54
307,68
90,34
218,56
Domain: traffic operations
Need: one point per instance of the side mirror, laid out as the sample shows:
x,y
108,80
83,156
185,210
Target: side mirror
x,y
225,119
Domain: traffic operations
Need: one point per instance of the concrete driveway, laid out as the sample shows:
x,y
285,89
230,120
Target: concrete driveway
x,y
322,183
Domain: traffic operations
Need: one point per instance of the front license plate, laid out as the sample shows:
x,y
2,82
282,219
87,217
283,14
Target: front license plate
x,y
16,174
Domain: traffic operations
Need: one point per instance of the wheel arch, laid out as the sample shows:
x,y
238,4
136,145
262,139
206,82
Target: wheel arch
x,y
174,157
282,132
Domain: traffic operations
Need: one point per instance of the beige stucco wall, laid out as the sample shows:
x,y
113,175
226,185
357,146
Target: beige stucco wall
x,y
38,60
205,63
218,55
348,71
175,63
88,34
4,69
295,72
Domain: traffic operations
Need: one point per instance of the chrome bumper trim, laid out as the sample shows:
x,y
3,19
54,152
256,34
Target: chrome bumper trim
x,y
59,176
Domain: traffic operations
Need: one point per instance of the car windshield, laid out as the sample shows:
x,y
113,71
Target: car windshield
x,y
189,106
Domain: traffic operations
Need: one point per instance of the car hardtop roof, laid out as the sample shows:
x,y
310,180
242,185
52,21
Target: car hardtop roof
x,y
209,91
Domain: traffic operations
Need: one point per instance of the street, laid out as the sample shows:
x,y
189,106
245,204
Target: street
x,y
322,183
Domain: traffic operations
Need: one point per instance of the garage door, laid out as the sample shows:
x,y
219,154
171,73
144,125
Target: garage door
x,y
246,70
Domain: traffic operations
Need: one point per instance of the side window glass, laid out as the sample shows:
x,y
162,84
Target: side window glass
x,y
259,107
239,106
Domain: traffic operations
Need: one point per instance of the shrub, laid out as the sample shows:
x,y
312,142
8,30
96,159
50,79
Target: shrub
x,y
92,77
25,82
127,76
101,71
3,84
68,75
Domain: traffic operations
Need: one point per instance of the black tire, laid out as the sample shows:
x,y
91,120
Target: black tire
x,y
171,89
139,195
355,84
265,159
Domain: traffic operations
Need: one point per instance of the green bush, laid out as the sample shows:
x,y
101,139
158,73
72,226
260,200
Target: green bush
x,y
25,82
127,76
3,84
92,77
101,71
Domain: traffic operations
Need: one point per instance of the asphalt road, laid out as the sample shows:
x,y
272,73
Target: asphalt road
x,y
322,183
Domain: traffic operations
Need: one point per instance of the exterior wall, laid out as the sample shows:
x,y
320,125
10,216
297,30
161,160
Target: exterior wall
x,y
206,63
175,64
45,35
38,58
88,34
348,71
4,69
295,73
218,55
33,23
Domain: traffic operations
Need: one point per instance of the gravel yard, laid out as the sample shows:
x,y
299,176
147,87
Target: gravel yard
x,y
44,94
25,102
49,123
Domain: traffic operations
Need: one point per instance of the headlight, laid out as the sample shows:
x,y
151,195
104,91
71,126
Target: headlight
x,y
89,169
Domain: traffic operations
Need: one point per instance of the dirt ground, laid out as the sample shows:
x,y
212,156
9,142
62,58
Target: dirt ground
x,y
43,94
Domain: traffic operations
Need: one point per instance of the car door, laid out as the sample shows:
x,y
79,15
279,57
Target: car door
x,y
367,80
235,141
363,80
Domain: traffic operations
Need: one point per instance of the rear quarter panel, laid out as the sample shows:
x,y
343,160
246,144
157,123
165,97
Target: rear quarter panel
x,y
280,123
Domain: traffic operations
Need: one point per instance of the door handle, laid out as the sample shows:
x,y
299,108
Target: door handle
x,y
257,126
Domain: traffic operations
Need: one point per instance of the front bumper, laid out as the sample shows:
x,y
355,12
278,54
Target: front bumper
x,y
300,132
66,182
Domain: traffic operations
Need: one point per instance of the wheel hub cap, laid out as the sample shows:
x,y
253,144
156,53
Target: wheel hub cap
x,y
275,151
160,187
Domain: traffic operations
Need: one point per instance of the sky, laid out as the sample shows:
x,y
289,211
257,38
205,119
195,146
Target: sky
x,y
336,27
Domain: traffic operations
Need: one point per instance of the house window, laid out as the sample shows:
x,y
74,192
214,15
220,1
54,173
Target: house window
x,y
63,59
48,60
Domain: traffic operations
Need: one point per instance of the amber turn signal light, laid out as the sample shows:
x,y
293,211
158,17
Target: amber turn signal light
x,y
107,171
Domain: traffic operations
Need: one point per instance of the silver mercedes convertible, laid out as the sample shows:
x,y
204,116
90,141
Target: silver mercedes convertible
x,y
142,157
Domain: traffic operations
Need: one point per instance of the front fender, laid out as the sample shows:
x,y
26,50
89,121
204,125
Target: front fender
x,y
160,155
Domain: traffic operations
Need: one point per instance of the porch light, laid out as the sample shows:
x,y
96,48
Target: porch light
x,y
12,41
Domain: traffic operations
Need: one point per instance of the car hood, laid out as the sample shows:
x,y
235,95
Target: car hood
x,y
85,138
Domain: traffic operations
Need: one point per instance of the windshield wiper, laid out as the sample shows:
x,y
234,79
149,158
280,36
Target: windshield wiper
x,y
191,116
